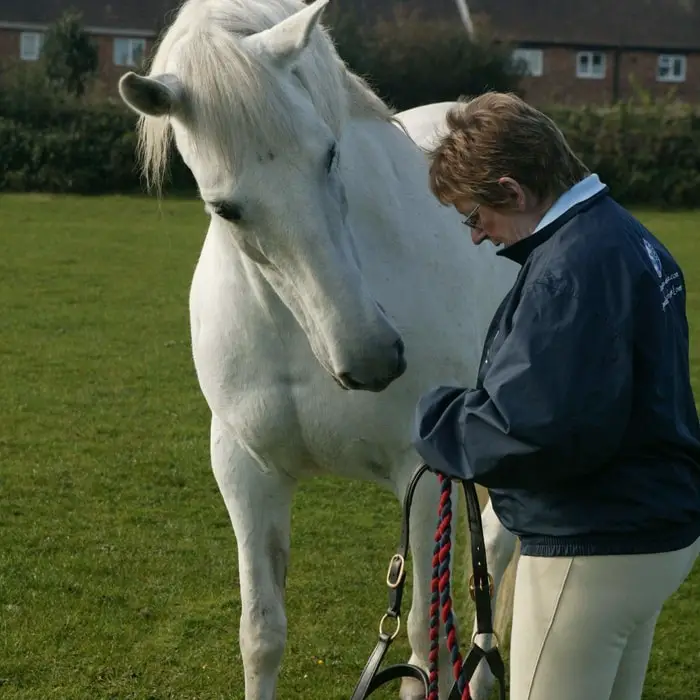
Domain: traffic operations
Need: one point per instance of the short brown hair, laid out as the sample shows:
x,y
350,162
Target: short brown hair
x,y
499,135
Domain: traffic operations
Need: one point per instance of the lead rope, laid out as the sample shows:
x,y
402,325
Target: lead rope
x,y
441,598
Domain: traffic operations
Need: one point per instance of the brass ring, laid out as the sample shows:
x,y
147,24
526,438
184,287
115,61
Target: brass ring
x,y
382,633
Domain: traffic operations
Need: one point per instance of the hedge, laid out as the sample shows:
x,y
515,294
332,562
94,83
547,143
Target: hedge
x,y
648,154
68,146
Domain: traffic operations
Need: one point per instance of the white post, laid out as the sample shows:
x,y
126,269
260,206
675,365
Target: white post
x,y
464,13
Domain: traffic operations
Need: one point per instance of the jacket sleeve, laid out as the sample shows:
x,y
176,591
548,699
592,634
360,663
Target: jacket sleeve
x,y
555,401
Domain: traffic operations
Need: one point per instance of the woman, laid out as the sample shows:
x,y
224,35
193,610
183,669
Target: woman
x,y
582,424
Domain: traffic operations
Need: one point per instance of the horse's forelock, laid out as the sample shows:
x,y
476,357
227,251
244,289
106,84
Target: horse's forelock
x,y
230,92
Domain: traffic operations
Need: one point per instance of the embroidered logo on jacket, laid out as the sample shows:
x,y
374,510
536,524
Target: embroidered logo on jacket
x,y
654,257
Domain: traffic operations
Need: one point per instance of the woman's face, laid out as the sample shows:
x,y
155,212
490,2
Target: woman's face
x,y
487,224
503,226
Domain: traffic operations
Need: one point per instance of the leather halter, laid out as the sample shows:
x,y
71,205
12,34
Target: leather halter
x,y
480,590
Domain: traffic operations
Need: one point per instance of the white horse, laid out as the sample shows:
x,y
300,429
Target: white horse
x,y
326,257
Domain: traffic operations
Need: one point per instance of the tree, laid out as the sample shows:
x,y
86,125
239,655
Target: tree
x,y
68,54
411,59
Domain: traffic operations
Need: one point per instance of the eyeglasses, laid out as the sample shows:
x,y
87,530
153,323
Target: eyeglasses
x,y
472,219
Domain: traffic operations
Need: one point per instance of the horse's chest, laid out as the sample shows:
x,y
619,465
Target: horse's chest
x,y
241,368
259,376
288,414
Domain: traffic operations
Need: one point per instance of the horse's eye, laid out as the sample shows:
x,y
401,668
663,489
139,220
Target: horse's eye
x,y
230,211
332,152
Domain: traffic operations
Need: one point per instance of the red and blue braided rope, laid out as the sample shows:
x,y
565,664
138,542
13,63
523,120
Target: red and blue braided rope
x,y
441,599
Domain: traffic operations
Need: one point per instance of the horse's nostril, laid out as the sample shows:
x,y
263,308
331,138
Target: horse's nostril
x,y
400,347
401,364
348,382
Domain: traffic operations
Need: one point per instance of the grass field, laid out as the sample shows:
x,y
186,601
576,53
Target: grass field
x,y
117,560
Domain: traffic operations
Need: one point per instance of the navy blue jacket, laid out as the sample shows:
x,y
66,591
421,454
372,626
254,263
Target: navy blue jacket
x,y
582,424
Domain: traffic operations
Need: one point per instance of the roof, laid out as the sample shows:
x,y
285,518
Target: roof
x,y
642,24
145,17
368,10
149,16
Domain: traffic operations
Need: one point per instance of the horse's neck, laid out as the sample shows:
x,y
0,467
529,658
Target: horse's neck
x,y
409,243
391,206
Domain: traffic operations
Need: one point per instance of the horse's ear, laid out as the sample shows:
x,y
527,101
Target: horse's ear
x,y
155,96
286,41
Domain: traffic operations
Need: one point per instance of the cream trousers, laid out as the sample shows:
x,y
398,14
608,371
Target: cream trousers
x,y
583,626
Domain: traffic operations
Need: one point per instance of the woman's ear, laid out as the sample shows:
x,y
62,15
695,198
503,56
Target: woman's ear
x,y
516,194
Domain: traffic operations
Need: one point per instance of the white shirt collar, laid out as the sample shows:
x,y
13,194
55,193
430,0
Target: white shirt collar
x,y
580,192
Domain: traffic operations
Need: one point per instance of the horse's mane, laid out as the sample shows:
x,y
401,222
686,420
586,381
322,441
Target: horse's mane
x,y
230,91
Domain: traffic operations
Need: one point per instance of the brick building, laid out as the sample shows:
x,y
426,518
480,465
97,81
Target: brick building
x,y
598,51
123,30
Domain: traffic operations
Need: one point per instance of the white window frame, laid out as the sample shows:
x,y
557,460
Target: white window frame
x,y
30,45
671,61
589,72
532,58
131,46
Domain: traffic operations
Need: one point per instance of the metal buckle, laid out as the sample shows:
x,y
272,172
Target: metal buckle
x,y
472,587
402,565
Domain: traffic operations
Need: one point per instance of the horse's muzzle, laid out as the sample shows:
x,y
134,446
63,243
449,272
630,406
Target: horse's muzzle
x,y
346,381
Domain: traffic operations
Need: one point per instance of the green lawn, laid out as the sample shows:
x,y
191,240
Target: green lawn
x,y
117,560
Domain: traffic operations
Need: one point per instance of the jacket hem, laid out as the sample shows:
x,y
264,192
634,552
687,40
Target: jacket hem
x,y
604,545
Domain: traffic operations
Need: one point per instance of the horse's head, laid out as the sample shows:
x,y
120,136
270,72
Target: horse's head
x,y
257,99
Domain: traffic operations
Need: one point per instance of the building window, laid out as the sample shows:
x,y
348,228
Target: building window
x,y
30,45
530,60
590,64
129,52
670,68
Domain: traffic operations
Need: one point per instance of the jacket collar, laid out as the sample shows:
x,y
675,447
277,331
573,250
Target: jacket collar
x,y
579,197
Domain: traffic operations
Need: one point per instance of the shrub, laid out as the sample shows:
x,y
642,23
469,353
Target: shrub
x,y
648,152
69,55
53,141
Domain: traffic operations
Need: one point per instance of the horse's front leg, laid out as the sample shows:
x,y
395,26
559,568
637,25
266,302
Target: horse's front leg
x,y
259,506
